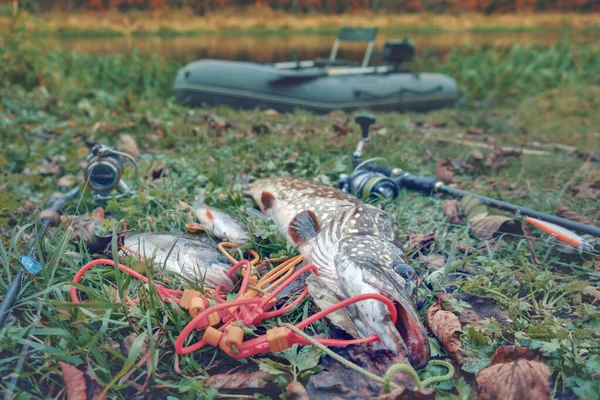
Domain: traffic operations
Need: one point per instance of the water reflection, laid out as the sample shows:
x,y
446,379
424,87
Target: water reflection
x,y
297,47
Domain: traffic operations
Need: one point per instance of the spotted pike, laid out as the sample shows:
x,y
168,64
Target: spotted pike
x,y
352,245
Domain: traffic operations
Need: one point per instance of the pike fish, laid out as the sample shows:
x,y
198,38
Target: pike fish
x,y
352,245
196,257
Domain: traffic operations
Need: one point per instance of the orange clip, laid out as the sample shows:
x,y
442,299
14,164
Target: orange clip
x,y
196,306
277,339
187,297
234,336
212,336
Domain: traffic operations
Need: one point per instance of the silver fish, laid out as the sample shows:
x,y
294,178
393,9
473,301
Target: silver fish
x,y
195,257
220,223
352,245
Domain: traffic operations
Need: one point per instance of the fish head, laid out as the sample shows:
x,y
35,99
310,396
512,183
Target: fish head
x,y
368,264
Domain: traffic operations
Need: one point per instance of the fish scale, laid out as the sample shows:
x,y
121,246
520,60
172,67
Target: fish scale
x,y
352,245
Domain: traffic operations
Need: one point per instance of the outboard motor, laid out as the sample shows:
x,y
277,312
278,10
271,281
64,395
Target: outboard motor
x,y
398,51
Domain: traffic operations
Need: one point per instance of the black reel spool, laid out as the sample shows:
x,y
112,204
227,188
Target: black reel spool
x,y
372,185
104,172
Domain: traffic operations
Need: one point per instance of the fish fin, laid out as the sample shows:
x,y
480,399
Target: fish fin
x,y
208,213
304,227
267,199
98,214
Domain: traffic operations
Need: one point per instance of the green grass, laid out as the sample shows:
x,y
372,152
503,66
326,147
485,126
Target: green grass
x,y
517,96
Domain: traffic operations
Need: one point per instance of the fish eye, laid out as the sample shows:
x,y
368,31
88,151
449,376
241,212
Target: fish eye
x,y
404,270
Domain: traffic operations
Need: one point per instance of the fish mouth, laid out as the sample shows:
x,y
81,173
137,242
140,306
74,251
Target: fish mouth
x,y
412,331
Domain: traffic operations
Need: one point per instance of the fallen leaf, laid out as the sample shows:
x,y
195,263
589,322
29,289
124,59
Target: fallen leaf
x,y
296,391
495,225
506,354
477,309
405,394
451,210
478,156
564,212
497,158
461,166
592,292
433,262
475,131
127,144
522,379
473,208
444,171
339,381
341,127
271,113
75,384
66,181
420,242
238,380
446,327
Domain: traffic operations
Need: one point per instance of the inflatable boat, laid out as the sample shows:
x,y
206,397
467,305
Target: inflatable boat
x,y
319,85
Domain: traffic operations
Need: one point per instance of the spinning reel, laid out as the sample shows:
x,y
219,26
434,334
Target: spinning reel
x,y
104,172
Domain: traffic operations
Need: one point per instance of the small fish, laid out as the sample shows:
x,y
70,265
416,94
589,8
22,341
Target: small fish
x,y
195,257
352,245
219,223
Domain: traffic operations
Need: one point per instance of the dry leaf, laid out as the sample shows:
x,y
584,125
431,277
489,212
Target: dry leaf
x,y
479,308
477,156
593,292
127,144
475,131
296,391
341,127
564,212
446,327
473,208
66,181
494,225
433,262
405,394
238,380
506,354
420,242
497,158
75,384
451,210
519,380
444,171
272,113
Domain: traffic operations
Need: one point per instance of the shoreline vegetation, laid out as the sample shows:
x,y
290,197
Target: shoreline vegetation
x,y
265,21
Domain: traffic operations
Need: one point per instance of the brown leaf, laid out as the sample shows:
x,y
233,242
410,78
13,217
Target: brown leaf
x,y
451,210
564,212
127,144
520,380
271,113
475,131
506,354
446,327
593,292
75,384
444,171
461,166
405,394
495,225
420,242
66,181
497,158
238,380
476,155
433,262
341,127
296,391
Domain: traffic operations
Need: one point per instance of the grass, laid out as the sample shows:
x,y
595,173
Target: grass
x,y
263,21
55,105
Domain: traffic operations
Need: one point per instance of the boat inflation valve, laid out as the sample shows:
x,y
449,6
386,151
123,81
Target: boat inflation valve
x,y
104,172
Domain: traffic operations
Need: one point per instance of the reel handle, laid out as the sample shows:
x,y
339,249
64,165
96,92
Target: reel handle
x,y
365,121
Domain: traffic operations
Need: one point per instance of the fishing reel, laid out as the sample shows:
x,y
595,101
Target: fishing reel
x,y
365,181
104,172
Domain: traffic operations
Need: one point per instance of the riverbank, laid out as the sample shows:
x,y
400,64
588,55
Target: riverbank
x,y
269,22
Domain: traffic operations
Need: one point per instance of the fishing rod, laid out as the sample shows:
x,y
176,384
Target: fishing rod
x,y
103,174
369,179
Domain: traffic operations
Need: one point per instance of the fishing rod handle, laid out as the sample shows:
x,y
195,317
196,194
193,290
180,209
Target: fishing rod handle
x,y
404,179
